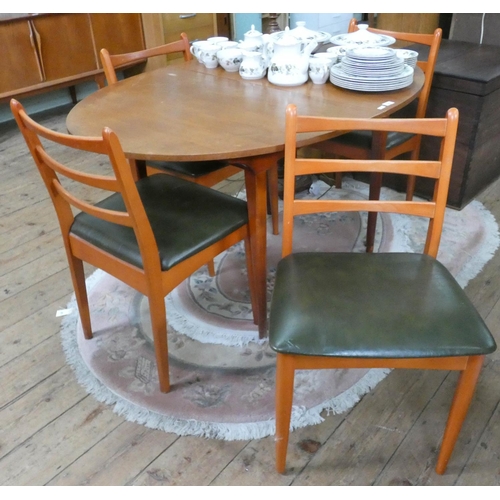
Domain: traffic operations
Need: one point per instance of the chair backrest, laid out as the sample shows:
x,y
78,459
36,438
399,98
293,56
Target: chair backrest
x,y
439,170
111,62
63,196
433,40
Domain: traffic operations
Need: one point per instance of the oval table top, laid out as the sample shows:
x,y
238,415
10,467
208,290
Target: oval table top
x,y
188,112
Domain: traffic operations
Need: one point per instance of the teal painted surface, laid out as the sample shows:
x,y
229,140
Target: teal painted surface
x,y
47,100
243,23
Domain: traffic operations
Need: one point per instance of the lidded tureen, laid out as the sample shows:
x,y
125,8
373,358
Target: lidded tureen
x,y
306,35
363,38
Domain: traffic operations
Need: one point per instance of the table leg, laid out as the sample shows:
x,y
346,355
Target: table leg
x,y
138,168
272,196
255,183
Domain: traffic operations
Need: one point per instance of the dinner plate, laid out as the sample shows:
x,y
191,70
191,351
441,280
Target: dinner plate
x,y
371,53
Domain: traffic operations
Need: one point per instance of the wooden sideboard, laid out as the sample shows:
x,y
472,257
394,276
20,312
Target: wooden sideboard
x,y
41,52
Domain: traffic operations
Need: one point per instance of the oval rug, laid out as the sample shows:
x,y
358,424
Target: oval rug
x,y
222,376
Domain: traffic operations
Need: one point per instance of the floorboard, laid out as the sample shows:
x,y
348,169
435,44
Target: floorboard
x,y
52,432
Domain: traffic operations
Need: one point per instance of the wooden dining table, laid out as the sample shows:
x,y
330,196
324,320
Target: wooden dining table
x,y
185,112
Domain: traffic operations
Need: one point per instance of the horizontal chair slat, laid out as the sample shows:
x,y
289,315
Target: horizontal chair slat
x,y
97,181
114,216
90,144
418,208
426,126
308,166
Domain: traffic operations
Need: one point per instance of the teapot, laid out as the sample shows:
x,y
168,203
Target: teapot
x,y
289,63
254,37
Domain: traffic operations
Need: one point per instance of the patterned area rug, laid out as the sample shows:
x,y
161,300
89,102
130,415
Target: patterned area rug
x,y
222,375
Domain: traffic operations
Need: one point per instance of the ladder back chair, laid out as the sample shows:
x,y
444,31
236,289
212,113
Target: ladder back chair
x,y
372,310
206,173
151,234
363,145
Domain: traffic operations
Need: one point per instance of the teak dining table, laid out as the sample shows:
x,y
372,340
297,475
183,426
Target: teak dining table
x,y
187,112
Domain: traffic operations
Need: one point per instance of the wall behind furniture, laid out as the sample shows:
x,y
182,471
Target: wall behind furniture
x,y
241,23
335,24
476,28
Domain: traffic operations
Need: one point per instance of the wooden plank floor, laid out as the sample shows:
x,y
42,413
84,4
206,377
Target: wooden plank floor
x,y
53,433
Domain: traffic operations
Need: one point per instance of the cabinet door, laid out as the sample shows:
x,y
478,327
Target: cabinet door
x,y
196,26
19,62
119,33
66,45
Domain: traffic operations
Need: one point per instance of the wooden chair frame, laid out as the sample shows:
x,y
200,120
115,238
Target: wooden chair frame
x,y
111,62
446,128
150,280
379,140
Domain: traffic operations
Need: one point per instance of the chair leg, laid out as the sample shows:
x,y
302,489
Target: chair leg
x,y
159,325
375,187
211,268
410,187
251,281
458,411
78,277
272,190
411,181
284,397
338,180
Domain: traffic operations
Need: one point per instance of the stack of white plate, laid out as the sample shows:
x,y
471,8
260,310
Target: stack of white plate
x,y
371,69
409,56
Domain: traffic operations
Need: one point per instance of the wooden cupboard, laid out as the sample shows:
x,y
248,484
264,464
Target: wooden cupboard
x,y
165,28
196,26
41,52
21,65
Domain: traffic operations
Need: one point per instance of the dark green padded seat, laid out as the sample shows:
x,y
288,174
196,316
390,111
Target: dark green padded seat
x,y
372,305
192,169
171,205
363,139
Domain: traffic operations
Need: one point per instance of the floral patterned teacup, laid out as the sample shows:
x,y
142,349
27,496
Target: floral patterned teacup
x,y
230,59
208,55
195,48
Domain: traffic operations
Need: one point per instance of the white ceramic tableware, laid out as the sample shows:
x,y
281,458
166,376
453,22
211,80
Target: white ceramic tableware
x,y
337,51
249,45
319,68
230,59
227,44
410,57
195,48
306,35
253,66
217,39
254,38
290,60
363,38
327,56
208,55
